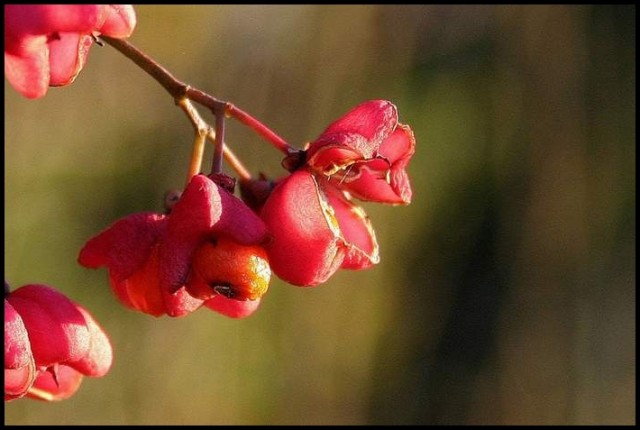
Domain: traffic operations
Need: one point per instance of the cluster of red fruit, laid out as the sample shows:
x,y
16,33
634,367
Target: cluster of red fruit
x,y
210,248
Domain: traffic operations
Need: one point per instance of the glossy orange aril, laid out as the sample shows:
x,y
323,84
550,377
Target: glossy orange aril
x,y
222,266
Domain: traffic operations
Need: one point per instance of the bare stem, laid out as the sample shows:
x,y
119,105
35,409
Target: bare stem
x,y
193,114
202,128
200,124
179,89
238,114
260,128
218,145
197,153
173,86
236,164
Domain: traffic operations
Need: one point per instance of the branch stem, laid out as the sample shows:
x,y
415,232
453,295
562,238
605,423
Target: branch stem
x,y
201,128
179,90
200,124
218,144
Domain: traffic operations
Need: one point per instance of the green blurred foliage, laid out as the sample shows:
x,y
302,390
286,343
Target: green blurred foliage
x,y
506,290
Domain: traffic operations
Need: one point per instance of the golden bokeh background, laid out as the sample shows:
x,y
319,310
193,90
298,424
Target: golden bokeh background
x,y
506,290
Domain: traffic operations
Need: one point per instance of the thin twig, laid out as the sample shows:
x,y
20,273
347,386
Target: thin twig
x,y
218,146
179,89
199,124
202,128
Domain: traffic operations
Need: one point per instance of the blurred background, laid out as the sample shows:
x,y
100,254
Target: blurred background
x,y
506,290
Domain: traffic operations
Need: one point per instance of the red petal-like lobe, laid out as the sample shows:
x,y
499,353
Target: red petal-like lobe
x,y
190,223
125,246
355,136
180,303
28,73
57,330
239,222
385,179
305,248
67,56
131,249
17,349
141,290
203,211
232,308
120,289
19,366
333,152
400,146
99,358
120,22
63,386
44,19
18,381
374,120
356,230
48,44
